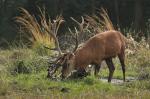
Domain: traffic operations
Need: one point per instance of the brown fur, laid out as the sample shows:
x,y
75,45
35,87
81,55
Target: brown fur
x,y
102,46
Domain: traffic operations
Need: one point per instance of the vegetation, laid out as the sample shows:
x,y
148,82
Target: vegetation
x,y
122,13
23,74
23,69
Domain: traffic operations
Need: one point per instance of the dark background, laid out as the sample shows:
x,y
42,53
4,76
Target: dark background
x,y
123,13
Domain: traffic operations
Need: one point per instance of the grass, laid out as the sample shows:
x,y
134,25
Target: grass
x,y
34,84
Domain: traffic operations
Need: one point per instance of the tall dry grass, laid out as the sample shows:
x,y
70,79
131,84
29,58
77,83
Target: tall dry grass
x,y
100,22
34,29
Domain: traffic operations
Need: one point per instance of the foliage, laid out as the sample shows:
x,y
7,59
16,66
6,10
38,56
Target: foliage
x,y
101,22
36,84
138,56
23,70
35,31
75,8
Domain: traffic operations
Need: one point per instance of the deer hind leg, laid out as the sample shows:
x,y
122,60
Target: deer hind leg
x,y
111,68
121,58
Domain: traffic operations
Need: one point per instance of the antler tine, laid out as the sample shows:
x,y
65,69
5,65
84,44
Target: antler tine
x,y
82,20
76,31
55,27
71,32
56,41
79,24
58,22
76,39
53,32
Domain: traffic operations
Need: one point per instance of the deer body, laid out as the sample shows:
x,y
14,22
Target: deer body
x,y
102,46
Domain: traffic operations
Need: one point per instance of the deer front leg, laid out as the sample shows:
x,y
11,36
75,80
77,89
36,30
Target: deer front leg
x,y
97,68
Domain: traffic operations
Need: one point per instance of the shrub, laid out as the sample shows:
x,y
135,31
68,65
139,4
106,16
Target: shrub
x,y
138,57
21,67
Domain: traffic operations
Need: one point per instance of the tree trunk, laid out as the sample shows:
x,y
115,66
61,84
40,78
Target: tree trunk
x,y
93,7
117,13
61,6
139,21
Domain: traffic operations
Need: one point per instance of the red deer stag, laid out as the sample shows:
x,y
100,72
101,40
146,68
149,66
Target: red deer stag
x,y
102,46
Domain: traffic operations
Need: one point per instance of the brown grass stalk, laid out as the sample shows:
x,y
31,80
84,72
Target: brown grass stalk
x,y
34,28
100,22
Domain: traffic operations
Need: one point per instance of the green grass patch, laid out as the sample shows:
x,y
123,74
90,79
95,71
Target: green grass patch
x,y
34,83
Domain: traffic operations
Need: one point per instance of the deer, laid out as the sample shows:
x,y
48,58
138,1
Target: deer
x,y
103,46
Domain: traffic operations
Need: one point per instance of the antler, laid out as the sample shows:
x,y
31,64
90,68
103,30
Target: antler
x,y
74,37
79,24
52,29
77,32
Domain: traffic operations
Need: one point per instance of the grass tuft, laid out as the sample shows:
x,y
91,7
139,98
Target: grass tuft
x,y
33,29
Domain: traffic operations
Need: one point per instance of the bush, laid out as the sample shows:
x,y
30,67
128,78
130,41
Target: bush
x,y
21,67
31,65
138,57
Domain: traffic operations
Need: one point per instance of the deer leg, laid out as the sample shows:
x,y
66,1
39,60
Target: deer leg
x,y
97,68
121,58
110,67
